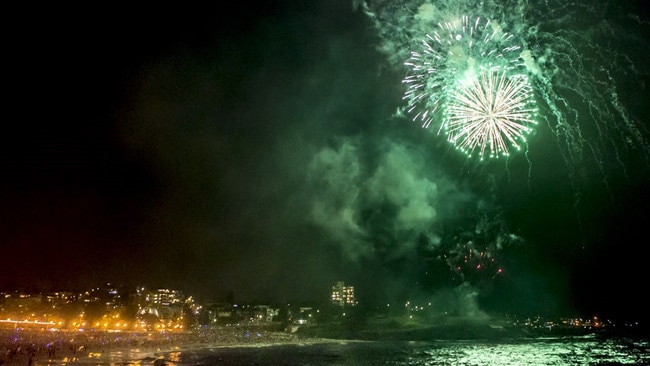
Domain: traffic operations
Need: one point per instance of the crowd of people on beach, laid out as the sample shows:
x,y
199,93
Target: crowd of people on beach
x,y
29,344
19,346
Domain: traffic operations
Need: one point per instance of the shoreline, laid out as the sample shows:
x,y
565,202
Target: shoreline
x,y
34,347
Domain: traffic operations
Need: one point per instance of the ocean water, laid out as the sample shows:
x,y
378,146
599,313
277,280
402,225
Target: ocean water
x,y
576,350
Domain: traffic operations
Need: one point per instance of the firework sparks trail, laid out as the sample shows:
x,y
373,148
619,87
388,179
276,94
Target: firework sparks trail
x,y
575,67
492,111
464,80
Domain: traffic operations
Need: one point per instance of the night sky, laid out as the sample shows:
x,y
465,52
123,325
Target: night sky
x,y
255,150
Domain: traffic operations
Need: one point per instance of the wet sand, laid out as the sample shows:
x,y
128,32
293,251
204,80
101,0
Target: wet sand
x,y
35,348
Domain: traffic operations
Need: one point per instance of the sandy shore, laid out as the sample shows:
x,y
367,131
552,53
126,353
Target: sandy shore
x,y
35,348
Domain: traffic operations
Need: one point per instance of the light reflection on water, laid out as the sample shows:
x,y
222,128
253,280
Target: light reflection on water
x,y
121,357
586,350
576,351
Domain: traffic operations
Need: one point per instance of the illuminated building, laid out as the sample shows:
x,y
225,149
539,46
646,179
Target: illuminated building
x,y
167,303
166,297
342,295
22,301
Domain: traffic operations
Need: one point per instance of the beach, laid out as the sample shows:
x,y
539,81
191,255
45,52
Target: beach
x,y
245,344
37,347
